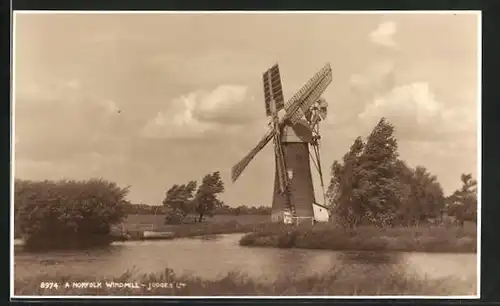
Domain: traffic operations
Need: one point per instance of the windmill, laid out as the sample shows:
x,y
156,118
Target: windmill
x,y
293,134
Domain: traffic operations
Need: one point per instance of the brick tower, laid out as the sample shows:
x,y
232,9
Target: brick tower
x,y
300,195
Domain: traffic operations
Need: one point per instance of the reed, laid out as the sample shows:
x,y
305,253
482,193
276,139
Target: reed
x,y
339,281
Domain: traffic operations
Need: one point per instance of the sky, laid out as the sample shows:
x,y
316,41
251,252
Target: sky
x,y
152,100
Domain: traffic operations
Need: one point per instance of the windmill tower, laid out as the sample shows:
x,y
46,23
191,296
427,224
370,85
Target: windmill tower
x,y
293,135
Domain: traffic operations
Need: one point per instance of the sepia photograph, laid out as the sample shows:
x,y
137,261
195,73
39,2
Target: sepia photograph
x,y
246,154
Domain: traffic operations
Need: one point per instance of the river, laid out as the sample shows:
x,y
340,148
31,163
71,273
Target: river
x,y
211,258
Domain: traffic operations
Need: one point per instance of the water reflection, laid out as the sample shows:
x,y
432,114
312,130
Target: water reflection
x,y
370,258
215,257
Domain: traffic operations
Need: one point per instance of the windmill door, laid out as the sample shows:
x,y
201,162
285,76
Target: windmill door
x,y
287,217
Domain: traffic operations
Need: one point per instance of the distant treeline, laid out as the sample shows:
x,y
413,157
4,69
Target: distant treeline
x,y
145,209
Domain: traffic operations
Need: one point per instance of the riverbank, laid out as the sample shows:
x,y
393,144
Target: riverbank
x,y
338,281
325,236
205,229
130,231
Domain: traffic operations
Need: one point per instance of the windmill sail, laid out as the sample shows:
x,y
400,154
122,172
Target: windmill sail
x,y
273,90
278,150
281,167
308,94
274,101
239,167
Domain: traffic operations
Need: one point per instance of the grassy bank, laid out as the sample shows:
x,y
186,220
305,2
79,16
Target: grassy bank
x,y
334,282
325,236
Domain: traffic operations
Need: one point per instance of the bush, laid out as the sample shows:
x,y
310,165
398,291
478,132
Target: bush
x,y
174,217
67,214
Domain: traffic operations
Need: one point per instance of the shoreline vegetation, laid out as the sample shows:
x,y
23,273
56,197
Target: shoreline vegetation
x,y
322,236
431,239
388,281
327,236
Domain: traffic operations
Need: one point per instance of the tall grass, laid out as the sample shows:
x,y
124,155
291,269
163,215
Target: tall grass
x,y
339,281
326,236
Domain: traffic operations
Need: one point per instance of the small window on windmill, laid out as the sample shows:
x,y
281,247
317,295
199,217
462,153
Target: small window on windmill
x,y
290,173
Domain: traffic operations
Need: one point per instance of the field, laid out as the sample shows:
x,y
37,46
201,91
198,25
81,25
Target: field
x,y
340,281
135,225
147,222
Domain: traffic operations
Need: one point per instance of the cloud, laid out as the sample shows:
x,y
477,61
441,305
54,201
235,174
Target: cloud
x,y
95,164
377,78
415,98
412,106
73,84
219,66
384,34
224,109
67,95
109,105
418,115
362,88
58,119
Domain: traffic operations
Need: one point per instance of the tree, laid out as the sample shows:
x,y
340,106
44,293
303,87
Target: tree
x,y
61,214
264,210
425,199
371,185
205,201
344,185
178,202
382,192
462,204
365,187
224,210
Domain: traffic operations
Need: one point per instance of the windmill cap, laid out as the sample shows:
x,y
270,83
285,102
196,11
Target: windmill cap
x,y
298,132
